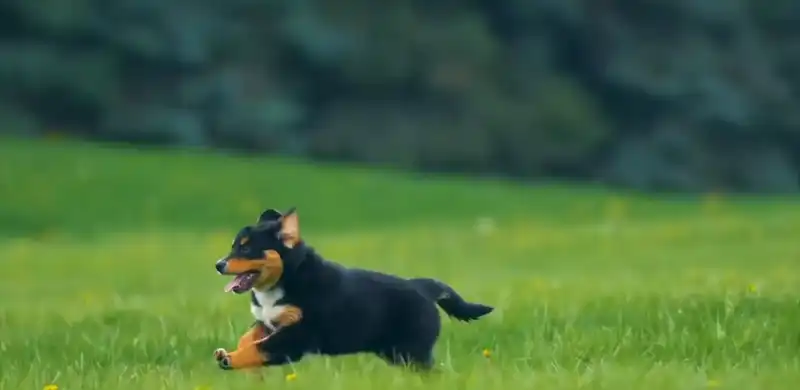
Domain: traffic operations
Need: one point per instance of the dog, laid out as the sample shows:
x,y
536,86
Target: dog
x,y
304,304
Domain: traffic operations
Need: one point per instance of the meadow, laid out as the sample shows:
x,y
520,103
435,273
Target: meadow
x,y
107,275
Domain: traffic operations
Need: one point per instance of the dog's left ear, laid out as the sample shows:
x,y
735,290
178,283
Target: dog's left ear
x,y
269,215
290,228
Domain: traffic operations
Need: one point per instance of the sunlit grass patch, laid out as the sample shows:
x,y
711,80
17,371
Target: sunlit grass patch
x,y
108,278
576,307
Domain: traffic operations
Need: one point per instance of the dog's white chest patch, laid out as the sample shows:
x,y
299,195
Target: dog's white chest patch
x,y
269,309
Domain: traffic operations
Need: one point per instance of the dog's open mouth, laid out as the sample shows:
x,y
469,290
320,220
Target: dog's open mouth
x,y
242,282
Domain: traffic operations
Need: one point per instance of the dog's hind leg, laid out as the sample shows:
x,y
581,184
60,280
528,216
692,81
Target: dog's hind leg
x,y
412,341
279,360
416,357
286,345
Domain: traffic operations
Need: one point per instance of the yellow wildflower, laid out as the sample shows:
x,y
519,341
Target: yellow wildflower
x,y
291,377
50,387
487,353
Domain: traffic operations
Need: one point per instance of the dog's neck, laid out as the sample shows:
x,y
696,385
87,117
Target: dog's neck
x,y
265,289
310,272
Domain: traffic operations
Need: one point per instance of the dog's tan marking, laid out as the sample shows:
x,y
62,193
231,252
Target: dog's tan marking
x,y
238,266
271,270
290,315
254,334
237,359
290,229
247,357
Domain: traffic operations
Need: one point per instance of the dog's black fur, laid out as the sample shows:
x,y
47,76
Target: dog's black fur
x,y
350,310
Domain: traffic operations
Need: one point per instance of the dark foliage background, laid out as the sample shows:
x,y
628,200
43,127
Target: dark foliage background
x,y
653,94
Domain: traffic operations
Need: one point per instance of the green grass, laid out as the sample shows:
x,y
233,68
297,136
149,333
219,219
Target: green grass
x,y
108,283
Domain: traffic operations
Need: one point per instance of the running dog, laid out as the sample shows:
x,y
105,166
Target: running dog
x,y
304,304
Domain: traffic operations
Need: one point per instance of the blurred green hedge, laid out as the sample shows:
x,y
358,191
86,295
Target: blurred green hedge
x,y
653,94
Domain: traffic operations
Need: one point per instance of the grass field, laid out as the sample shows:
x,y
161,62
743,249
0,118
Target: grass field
x,y
108,279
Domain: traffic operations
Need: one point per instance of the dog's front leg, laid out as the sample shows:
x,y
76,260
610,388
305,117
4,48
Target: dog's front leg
x,y
243,352
284,346
289,316
253,349
256,332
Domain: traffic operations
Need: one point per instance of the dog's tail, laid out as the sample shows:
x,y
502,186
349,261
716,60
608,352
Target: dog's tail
x,y
449,300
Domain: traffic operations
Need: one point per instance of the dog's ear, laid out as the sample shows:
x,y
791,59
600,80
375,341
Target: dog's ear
x,y
269,215
290,228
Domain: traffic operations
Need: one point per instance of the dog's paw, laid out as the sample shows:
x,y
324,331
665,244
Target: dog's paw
x,y
221,354
225,363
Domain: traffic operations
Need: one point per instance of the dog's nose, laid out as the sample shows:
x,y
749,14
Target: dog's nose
x,y
220,266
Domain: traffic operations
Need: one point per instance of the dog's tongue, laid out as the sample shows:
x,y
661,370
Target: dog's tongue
x,y
240,283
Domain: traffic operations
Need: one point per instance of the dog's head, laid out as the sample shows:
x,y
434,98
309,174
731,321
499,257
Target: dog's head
x,y
259,253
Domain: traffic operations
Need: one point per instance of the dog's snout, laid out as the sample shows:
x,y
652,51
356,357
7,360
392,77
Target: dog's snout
x,y
220,266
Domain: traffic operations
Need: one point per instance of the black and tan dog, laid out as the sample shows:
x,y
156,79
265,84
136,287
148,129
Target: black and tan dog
x,y
305,304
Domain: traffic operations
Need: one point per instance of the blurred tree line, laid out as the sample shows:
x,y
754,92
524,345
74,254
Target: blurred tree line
x,y
653,94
